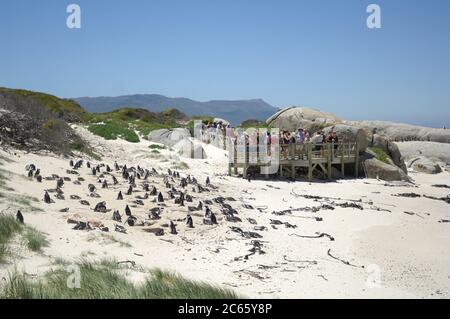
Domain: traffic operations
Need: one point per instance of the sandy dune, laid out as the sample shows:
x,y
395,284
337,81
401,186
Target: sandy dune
x,y
379,251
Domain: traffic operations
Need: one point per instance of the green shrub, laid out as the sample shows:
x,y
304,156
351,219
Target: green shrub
x,y
113,130
381,155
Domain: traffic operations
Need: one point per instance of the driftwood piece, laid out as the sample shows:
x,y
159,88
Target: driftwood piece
x,y
319,235
311,262
342,261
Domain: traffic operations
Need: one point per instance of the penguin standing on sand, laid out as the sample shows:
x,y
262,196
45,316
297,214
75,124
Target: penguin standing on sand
x,y
19,217
47,198
189,221
127,211
120,196
130,190
116,216
213,218
173,229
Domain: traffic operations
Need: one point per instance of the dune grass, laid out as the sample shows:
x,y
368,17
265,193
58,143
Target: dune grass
x,y
109,239
9,227
35,239
107,280
19,201
4,177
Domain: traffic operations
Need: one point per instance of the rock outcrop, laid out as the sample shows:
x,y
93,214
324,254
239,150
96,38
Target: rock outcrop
x,y
424,165
180,140
347,133
404,132
437,152
390,148
169,137
189,149
293,118
375,168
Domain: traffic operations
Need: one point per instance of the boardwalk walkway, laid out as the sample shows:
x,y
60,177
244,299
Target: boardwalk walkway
x,y
293,156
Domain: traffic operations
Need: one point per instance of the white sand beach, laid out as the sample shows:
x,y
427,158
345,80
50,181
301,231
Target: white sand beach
x,y
393,247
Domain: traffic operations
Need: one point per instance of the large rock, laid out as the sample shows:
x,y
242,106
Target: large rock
x,y
169,137
437,152
293,118
189,149
404,132
347,133
390,148
377,169
424,165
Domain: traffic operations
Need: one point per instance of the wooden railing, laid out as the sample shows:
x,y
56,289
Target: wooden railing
x,y
294,152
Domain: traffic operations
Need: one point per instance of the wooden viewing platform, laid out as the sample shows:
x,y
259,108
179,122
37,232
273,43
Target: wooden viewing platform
x,y
293,156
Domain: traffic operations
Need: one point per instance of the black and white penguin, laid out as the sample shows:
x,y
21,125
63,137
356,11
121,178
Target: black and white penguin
x,y
47,198
127,211
116,216
19,217
130,190
173,229
189,221
160,198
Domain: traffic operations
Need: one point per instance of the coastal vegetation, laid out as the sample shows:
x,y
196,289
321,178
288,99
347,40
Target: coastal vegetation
x,y
10,227
106,279
381,155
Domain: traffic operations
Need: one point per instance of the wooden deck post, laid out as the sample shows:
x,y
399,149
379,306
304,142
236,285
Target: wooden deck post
x,y
357,160
235,161
330,159
310,162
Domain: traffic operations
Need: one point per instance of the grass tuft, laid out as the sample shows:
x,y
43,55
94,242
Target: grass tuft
x,y
9,227
106,280
35,239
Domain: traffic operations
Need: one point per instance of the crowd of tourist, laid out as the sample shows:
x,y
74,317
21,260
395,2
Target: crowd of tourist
x,y
214,131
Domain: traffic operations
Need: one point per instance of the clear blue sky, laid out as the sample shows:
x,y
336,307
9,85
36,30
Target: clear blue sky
x,y
312,53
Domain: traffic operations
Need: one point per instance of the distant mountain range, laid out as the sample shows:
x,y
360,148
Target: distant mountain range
x,y
234,111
